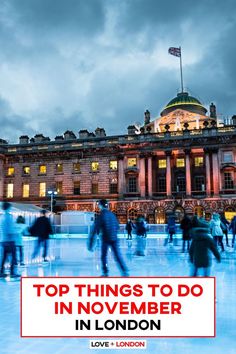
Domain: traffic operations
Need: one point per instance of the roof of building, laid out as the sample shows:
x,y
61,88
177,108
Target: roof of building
x,y
185,101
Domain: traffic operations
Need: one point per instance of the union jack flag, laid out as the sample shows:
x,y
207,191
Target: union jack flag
x,y
175,51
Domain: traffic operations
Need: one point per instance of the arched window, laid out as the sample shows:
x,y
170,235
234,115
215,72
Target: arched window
x,y
199,211
160,216
229,212
132,214
179,214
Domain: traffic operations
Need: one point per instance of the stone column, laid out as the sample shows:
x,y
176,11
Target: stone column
x,y
141,178
121,177
150,176
168,174
208,173
215,168
188,172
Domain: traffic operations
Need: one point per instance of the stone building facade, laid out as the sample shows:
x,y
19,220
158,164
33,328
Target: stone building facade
x,y
182,161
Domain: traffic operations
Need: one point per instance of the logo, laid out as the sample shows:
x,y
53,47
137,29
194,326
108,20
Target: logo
x,y
118,344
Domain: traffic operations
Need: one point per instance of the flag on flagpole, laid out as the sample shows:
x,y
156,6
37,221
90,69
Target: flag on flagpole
x,y
175,51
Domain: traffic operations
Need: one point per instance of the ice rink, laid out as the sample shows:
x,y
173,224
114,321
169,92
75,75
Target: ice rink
x,y
73,259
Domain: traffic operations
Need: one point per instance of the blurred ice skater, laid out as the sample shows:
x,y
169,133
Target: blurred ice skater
x,y
107,224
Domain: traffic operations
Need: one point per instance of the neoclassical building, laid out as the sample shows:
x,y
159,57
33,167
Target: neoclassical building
x,y
182,161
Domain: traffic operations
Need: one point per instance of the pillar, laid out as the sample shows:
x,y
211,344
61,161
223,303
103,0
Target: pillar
x,y
215,168
188,173
142,177
208,173
168,174
150,176
121,177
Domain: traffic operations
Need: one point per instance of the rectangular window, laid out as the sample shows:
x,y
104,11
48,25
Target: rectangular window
x,y
132,185
198,161
227,156
25,190
180,163
162,163
42,189
59,187
43,169
113,165
113,188
76,167
10,187
26,170
228,180
10,171
161,184
76,187
132,162
94,188
95,166
181,184
59,168
200,183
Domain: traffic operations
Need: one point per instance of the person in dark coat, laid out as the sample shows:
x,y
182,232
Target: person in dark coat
x,y
41,228
201,246
141,232
185,225
107,224
171,229
232,227
129,227
225,227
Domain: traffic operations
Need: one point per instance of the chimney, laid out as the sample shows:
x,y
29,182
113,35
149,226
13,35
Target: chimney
x,y
69,135
234,120
83,134
131,129
146,117
23,139
38,138
100,132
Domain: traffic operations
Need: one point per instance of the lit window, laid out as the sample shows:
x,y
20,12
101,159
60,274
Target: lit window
x,y
43,169
76,167
59,168
161,163
25,193
227,156
113,165
10,187
132,162
180,163
77,187
42,189
95,166
198,161
10,171
59,187
94,188
26,170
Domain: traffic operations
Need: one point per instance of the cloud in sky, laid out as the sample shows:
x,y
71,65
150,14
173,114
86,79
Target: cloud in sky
x,y
75,64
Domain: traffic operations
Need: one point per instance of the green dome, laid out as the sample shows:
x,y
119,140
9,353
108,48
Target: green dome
x,y
186,102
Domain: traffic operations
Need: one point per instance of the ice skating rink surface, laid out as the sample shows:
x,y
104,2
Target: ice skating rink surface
x,y
73,259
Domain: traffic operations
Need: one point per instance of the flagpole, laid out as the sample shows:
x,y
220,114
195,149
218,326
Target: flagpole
x,y
181,71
